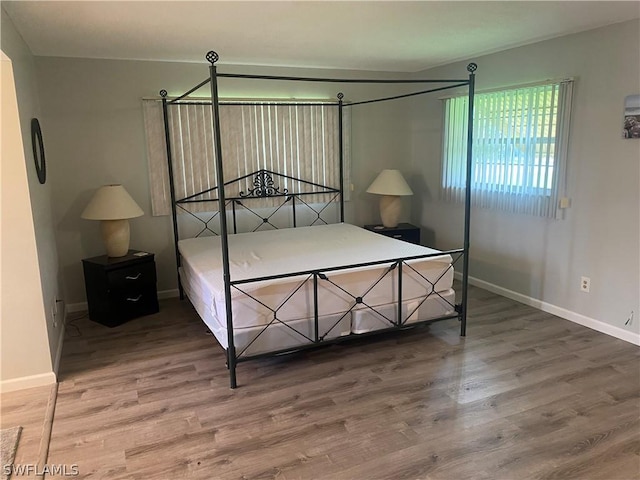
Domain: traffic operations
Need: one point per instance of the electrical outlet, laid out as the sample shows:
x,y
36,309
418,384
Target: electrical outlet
x,y
585,284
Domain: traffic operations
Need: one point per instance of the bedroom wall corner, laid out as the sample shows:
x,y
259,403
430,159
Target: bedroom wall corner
x,y
599,237
45,285
24,356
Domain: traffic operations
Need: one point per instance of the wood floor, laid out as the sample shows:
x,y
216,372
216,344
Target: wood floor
x,y
27,409
524,395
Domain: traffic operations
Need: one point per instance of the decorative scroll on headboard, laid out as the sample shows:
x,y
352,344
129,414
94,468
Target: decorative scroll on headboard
x,y
264,186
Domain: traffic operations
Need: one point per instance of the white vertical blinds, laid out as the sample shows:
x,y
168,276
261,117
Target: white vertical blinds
x,y
297,140
519,146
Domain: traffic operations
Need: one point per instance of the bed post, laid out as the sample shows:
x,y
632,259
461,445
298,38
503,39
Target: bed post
x,y
172,190
471,68
341,153
212,57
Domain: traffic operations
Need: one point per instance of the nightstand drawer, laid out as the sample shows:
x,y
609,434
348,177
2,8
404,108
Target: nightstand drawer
x,y
132,303
132,276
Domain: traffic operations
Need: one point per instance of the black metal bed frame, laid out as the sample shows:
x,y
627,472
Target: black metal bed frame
x,y
265,186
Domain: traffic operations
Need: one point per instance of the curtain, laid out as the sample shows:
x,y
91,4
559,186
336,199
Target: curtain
x,y
297,140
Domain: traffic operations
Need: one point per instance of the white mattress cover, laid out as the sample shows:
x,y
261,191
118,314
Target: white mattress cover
x,y
435,305
275,252
276,336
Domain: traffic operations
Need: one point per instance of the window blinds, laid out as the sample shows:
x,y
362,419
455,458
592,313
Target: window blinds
x,y
298,140
519,148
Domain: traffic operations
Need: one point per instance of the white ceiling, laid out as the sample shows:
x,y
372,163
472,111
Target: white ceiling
x,y
363,35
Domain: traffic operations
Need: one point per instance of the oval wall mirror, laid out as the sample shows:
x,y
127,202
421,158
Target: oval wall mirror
x,y
38,150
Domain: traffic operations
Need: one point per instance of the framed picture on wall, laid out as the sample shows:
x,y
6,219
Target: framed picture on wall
x,y
631,117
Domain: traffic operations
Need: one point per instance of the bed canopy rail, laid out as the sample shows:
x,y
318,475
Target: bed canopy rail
x,y
265,185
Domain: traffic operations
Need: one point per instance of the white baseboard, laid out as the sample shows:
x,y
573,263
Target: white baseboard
x,y
43,378
83,307
30,381
77,307
50,377
168,294
612,330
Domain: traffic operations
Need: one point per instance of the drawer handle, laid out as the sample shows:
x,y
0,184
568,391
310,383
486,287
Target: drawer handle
x,y
128,277
129,299
397,236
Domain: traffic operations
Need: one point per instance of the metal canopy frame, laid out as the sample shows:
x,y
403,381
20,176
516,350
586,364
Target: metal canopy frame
x,y
264,182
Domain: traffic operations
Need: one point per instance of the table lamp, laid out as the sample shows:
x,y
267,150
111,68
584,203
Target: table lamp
x,y
391,185
114,206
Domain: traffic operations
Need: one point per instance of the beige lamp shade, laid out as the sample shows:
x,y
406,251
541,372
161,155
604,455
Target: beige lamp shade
x,y
391,185
114,206
111,202
390,182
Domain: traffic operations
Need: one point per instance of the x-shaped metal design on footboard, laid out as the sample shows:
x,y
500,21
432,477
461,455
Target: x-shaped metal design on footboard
x,y
316,307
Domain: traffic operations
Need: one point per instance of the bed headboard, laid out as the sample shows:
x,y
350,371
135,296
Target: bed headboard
x,y
264,199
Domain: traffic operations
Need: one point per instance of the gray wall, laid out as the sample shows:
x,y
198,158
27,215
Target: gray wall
x,y
599,236
48,286
95,136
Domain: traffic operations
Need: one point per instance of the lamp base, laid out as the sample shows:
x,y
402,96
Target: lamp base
x,y
390,207
115,234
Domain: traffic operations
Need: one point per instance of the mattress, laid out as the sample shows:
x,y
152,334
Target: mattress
x,y
436,304
284,302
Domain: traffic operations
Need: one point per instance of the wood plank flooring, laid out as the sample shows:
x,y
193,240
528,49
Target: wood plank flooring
x,y
27,409
524,395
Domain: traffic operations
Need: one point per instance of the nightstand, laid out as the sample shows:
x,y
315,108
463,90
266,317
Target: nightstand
x,y
404,231
120,288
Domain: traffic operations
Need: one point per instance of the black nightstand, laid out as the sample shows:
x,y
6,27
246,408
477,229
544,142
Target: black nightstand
x,y
404,231
121,288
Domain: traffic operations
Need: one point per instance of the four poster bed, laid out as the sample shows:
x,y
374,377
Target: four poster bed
x,y
276,290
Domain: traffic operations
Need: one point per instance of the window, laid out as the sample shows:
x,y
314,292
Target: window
x,y
299,140
519,148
